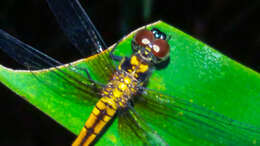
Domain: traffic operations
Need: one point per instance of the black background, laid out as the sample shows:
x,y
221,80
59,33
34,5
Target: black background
x,y
230,26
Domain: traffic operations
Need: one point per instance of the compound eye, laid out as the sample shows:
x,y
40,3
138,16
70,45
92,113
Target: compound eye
x,y
144,37
160,48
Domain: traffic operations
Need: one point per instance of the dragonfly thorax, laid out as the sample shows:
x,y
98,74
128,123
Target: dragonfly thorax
x,y
135,67
120,89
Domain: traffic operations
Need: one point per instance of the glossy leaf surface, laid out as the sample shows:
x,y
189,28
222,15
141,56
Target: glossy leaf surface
x,y
195,72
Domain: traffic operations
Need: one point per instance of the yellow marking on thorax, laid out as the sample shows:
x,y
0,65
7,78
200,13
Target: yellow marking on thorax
x,y
122,86
127,80
134,61
137,65
117,93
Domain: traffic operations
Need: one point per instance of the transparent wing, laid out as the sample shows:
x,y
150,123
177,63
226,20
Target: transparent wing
x,y
77,25
134,131
25,54
34,59
178,121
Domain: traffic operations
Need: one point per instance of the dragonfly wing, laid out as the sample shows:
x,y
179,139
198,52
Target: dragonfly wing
x,y
34,59
134,131
77,25
178,121
24,53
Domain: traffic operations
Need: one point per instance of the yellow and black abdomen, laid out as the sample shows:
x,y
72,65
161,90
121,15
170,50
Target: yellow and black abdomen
x,y
102,113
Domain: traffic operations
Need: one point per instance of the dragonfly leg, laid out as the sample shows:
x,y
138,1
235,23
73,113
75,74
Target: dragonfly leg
x,y
89,76
87,72
115,57
140,90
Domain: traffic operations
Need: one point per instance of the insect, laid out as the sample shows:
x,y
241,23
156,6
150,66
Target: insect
x,y
125,95
150,48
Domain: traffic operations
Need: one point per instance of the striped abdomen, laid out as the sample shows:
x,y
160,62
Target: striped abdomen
x,y
100,116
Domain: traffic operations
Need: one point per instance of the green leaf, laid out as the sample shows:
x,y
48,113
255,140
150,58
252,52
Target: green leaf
x,y
195,72
204,76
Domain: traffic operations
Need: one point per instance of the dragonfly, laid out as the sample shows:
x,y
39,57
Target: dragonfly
x,y
125,96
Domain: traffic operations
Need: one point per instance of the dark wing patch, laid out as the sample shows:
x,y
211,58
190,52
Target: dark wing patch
x,y
134,131
177,120
34,59
24,53
77,25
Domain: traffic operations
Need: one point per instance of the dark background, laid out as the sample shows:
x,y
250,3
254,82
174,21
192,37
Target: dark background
x,y
230,26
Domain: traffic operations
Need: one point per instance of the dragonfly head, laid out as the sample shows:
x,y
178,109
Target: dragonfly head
x,y
151,46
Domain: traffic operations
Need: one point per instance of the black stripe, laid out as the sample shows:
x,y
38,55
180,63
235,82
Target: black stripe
x,y
98,108
91,130
108,105
98,117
